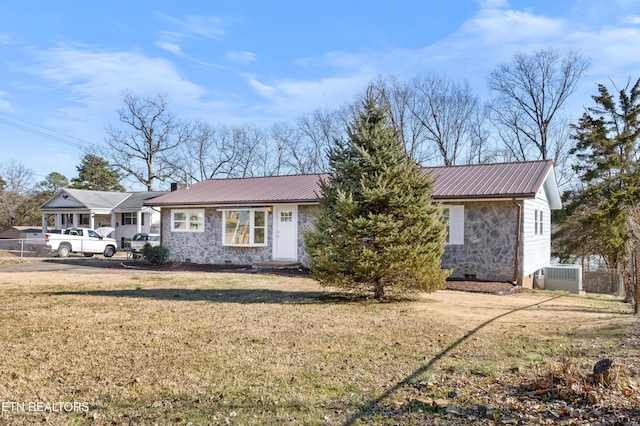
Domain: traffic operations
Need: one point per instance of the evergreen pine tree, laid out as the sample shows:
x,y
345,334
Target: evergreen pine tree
x,y
96,174
606,213
377,227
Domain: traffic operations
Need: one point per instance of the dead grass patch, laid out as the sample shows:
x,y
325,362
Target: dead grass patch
x,y
146,348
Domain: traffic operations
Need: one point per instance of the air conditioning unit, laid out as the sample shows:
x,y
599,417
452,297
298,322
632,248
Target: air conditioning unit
x,y
564,277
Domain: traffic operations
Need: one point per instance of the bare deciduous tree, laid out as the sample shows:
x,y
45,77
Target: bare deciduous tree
x,y
318,131
150,136
528,94
18,203
481,149
438,118
204,155
401,100
445,110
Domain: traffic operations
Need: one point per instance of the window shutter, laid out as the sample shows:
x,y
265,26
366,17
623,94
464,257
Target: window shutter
x,y
456,224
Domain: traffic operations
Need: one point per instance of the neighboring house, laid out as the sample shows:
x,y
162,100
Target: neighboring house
x,y
17,232
123,211
498,219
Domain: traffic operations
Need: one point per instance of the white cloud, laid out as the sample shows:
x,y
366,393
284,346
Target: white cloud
x,y
193,27
204,26
240,57
6,39
632,19
493,26
490,37
292,98
263,89
486,4
170,47
96,78
615,52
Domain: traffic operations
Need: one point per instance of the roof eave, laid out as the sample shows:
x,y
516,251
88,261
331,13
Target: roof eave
x,y
484,197
228,203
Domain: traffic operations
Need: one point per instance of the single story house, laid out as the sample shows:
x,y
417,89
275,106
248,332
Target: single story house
x,y
124,211
499,218
17,231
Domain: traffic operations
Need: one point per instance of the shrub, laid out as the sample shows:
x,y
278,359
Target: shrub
x,y
157,255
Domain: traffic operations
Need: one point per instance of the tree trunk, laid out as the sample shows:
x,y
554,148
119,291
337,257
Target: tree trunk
x,y
378,289
630,268
635,280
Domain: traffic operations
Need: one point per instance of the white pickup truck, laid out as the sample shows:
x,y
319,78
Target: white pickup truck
x,y
76,240
138,242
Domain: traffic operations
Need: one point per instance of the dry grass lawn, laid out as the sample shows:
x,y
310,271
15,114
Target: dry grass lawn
x,y
216,348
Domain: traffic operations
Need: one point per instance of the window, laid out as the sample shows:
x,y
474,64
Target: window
x,y
83,219
187,220
131,218
454,220
286,216
538,229
244,228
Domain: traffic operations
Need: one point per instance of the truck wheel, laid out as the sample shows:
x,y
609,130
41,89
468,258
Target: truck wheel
x,y
64,250
109,251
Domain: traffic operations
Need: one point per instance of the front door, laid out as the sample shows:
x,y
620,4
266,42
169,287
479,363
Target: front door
x,y
285,228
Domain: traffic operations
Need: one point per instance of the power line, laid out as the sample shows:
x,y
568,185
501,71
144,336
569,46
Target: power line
x,y
66,139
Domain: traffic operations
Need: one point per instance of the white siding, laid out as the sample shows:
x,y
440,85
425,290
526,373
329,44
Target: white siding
x,y
536,241
68,203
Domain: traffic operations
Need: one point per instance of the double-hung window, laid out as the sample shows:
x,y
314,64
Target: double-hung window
x,y
245,228
187,220
538,227
130,219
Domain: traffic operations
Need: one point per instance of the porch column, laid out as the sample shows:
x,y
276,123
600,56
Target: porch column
x,y
57,221
75,220
113,220
45,222
91,219
138,221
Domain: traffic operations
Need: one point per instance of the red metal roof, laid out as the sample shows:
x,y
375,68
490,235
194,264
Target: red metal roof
x,y
498,180
271,189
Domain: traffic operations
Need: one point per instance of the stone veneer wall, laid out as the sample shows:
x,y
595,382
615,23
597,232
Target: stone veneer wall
x,y
489,243
488,252
206,247
306,216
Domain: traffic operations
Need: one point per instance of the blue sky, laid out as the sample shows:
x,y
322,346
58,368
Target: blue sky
x,y
64,64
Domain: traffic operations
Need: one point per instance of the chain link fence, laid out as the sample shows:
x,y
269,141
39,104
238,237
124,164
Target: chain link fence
x,y
23,248
604,281
18,249
598,278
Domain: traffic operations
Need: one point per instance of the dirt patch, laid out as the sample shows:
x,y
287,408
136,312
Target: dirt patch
x,y
183,267
489,287
198,267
